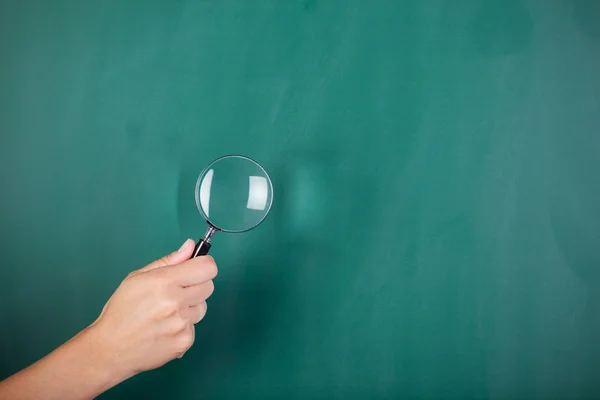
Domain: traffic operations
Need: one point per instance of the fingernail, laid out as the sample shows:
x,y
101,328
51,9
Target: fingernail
x,y
183,246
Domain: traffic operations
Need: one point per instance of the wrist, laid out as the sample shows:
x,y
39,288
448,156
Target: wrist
x,y
82,368
102,360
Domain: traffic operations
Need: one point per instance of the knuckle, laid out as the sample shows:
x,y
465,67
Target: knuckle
x,y
185,340
164,260
180,325
210,268
200,312
161,273
162,281
133,274
170,306
203,309
211,288
156,280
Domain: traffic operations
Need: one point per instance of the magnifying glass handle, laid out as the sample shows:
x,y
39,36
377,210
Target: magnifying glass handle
x,y
203,245
202,248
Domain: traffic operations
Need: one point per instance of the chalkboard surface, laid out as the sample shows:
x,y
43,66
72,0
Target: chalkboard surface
x,y
436,224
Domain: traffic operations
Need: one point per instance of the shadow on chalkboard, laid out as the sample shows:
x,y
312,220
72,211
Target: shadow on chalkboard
x,y
246,308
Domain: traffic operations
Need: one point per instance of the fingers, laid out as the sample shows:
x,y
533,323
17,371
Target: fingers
x,y
184,253
193,272
194,314
186,340
197,312
186,337
194,295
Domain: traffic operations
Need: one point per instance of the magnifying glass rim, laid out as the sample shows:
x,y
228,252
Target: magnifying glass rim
x,y
199,182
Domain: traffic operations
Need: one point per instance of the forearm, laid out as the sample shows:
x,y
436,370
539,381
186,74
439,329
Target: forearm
x,y
77,370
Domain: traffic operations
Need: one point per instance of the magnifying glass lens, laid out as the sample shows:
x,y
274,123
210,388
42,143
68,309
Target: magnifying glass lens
x,y
234,194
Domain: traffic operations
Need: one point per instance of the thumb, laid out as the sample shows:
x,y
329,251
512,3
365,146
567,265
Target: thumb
x,y
183,254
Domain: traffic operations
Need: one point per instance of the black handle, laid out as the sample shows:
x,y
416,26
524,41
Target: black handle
x,y
202,248
203,245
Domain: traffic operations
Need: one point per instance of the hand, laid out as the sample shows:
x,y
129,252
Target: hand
x,y
148,321
150,318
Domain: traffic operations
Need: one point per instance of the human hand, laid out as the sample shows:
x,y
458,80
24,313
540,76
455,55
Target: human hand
x,y
150,318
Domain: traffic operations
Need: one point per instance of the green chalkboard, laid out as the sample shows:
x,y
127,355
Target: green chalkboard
x,y
436,224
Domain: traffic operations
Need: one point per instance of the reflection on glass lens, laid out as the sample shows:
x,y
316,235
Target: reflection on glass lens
x,y
234,193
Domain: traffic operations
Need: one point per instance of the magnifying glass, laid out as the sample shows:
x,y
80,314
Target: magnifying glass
x,y
234,194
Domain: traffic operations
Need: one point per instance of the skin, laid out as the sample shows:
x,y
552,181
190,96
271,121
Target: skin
x,y
147,322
